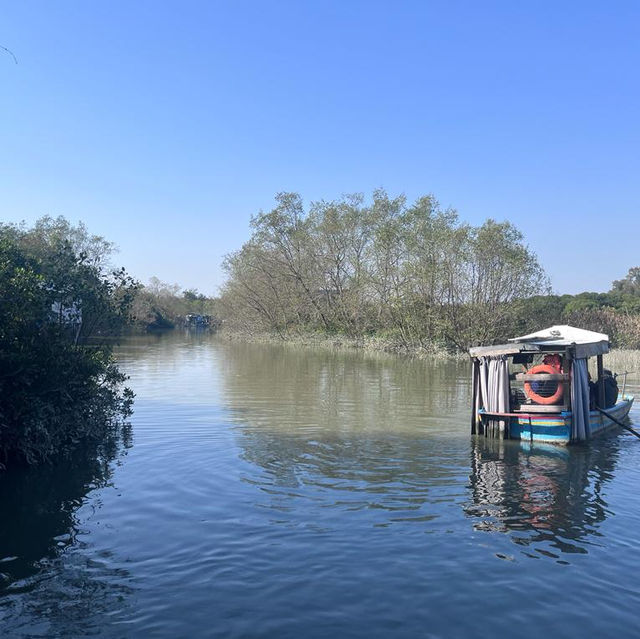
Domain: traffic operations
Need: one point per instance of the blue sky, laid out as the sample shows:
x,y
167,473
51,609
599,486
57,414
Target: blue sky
x,y
165,125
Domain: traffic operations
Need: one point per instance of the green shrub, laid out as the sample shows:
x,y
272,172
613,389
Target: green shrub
x,y
58,385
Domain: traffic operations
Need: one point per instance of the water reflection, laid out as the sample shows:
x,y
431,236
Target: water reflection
x,y
41,550
339,390
549,499
278,492
345,431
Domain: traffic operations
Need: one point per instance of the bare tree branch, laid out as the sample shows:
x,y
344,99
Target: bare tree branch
x,y
10,53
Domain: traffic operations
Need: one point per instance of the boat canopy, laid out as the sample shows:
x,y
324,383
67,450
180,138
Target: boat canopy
x,y
587,343
555,338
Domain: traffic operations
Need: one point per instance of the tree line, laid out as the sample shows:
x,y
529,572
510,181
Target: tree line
x,y
162,306
412,272
61,304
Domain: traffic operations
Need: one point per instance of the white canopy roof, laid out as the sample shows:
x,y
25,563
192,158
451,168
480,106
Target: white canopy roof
x,y
564,335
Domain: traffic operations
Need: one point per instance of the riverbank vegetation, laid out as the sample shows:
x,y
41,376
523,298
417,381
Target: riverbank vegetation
x,y
382,274
411,276
161,306
59,385
412,273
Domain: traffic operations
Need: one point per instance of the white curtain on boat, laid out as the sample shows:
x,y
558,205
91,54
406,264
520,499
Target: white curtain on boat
x,y
477,397
493,374
579,400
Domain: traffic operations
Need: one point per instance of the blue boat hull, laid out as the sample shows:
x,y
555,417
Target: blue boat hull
x,y
555,428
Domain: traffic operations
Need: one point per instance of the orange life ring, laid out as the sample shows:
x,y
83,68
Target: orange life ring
x,y
541,399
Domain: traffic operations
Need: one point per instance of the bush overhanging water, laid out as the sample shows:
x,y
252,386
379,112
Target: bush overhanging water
x,y
59,385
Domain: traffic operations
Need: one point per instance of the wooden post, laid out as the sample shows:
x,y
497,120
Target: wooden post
x,y
600,382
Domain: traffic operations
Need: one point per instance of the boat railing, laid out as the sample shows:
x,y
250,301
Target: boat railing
x,y
523,415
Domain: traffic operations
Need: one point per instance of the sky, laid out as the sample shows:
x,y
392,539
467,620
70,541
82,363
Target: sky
x,y
164,126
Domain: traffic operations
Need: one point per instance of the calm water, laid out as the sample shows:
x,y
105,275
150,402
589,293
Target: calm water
x,y
275,492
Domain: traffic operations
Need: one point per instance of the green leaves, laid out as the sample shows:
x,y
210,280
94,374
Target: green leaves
x,y
413,271
55,390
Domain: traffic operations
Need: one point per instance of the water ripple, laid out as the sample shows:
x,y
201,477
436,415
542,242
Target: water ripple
x,y
277,492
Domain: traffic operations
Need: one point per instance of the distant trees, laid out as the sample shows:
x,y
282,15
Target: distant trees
x,y
413,272
58,382
160,305
629,284
616,313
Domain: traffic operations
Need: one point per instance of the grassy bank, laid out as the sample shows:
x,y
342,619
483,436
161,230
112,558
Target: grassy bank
x,y
618,360
336,341
621,360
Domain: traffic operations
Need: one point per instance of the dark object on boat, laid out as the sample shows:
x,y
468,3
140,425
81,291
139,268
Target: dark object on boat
x,y
610,389
610,386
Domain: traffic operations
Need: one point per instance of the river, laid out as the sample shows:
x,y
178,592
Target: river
x,y
272,491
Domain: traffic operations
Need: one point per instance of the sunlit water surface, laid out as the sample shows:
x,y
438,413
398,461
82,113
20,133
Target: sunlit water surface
x,y
270,491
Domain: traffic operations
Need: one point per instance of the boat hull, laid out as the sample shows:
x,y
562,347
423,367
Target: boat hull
x,y
555,428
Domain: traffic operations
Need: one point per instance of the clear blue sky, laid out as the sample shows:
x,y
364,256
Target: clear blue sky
x,y
165,125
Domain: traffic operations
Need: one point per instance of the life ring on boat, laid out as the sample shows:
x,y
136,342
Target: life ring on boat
x,y
541,399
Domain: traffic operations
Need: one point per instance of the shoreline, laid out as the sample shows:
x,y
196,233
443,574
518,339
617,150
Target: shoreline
x,y
364,344
618,359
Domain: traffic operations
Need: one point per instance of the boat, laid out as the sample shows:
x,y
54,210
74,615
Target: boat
x,y
537,388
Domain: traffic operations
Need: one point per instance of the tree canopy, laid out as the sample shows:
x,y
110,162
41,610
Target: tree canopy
x,y
58,382
413,271
630,284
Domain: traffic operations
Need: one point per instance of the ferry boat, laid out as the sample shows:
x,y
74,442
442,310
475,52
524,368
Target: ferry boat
x,y
537,388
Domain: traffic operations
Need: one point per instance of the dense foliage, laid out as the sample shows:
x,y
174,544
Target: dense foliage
x,y
160,306
58,383
615,313
414,273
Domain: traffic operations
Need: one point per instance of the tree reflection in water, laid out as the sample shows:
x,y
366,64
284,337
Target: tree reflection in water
x,y
41,551
347,431
543,496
